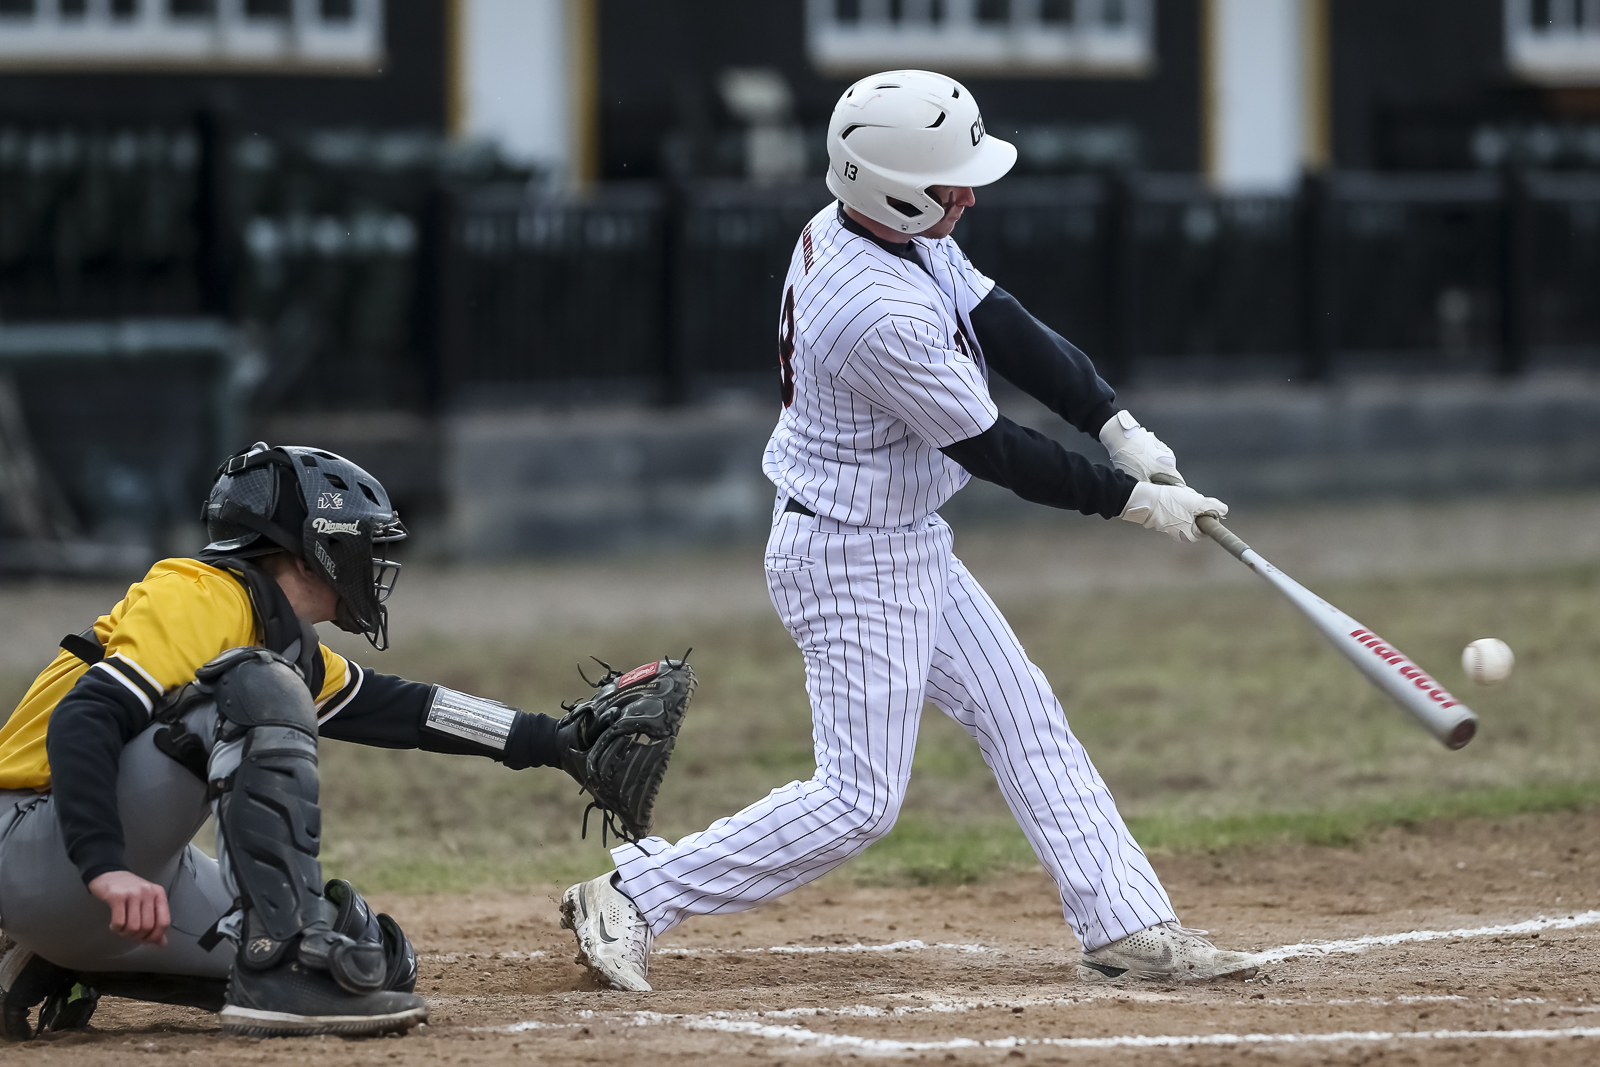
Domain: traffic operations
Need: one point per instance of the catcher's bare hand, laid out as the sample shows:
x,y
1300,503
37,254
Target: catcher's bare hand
x,y
138,908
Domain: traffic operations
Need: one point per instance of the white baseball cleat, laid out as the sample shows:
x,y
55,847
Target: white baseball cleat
x,y
1165,953
613,938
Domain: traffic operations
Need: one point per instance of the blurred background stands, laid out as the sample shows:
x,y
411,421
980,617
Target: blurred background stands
x,y
441,229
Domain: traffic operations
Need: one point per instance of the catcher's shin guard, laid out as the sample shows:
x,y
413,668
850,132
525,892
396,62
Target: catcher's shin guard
x,y
294,974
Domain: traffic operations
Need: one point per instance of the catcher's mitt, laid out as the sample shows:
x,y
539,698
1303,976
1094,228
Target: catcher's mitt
x,y
616,744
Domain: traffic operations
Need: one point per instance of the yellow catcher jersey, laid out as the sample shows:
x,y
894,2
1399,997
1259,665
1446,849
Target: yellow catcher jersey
x,y
183,614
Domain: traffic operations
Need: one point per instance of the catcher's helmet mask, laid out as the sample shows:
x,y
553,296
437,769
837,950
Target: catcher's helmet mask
x,y
322,508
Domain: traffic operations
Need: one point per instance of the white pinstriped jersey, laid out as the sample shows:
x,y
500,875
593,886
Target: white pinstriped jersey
x,y
879,372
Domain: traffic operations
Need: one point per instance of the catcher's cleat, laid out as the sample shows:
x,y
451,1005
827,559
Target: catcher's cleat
x,y
294,1000
613,938
1165,953
27,979
68,1010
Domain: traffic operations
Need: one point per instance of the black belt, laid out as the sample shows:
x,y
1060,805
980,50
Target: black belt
x,y
799,508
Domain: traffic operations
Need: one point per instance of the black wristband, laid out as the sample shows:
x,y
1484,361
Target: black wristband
x,y
531,742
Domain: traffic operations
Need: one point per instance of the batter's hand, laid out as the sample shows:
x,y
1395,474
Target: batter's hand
x,y
1171,509
1138,452
138,908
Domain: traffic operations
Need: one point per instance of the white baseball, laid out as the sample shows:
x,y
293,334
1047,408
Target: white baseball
x,y
1487,661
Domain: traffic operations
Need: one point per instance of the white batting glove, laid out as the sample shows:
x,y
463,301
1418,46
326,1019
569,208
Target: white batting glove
x,y
1136,451
1171,509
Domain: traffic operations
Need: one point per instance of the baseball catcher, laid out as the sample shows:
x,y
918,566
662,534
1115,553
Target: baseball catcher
x,y
204,691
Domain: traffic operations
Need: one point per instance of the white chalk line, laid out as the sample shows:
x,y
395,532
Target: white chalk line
x,y
960,1007
914,945
800,1035
731,1022
463,957
1361,944
1274,955
749,1024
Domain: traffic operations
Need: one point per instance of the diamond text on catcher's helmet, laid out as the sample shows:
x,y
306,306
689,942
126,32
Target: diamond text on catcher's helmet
x,y
894,134
322,508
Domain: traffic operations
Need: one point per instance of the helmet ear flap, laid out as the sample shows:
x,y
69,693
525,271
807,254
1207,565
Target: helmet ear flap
x,y
253,507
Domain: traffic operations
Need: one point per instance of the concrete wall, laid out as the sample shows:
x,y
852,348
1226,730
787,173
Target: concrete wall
x,y
604,479
597,480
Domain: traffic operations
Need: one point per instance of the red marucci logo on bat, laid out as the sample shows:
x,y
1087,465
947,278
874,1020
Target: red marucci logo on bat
x,y
1417,675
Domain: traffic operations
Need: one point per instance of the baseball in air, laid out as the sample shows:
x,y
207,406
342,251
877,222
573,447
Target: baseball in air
x,y
1487,661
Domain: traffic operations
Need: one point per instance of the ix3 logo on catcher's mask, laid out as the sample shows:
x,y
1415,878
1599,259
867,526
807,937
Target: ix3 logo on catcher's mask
x,y
977,130
324,526
330,501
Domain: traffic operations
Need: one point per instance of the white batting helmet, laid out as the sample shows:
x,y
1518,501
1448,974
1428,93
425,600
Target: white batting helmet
x,y
894,134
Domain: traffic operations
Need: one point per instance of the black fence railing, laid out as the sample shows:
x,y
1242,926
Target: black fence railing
x,y
385,271
97,222
319,240
540,289
1470,272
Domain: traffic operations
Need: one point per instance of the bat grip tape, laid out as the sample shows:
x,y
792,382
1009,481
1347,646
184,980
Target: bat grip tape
x,y
1212,528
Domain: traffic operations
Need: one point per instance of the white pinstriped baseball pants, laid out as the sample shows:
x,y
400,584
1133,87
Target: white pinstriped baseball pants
x,y
886,619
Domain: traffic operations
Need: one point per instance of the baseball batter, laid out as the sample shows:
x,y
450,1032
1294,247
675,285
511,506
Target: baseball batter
x,y
887,339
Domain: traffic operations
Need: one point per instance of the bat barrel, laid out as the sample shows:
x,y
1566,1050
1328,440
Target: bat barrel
x,y
1446,718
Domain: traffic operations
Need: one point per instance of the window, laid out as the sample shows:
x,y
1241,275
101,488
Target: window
x,y
994,12
1112,37
1055,12
287,36
266,9
1556,42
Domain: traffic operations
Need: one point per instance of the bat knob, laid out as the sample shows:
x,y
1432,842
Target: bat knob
x,y
1464,731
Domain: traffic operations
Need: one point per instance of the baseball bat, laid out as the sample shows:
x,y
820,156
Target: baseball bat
x,y
1408,685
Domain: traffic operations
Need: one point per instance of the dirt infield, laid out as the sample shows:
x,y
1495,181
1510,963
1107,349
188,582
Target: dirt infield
x,y
985,973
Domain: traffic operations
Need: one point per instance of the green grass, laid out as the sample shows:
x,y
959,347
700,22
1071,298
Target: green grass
x,y
1347,827
918,852
921,851
1216,715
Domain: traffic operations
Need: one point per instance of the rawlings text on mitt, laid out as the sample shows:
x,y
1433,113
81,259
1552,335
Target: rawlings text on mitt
x,y
617,743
